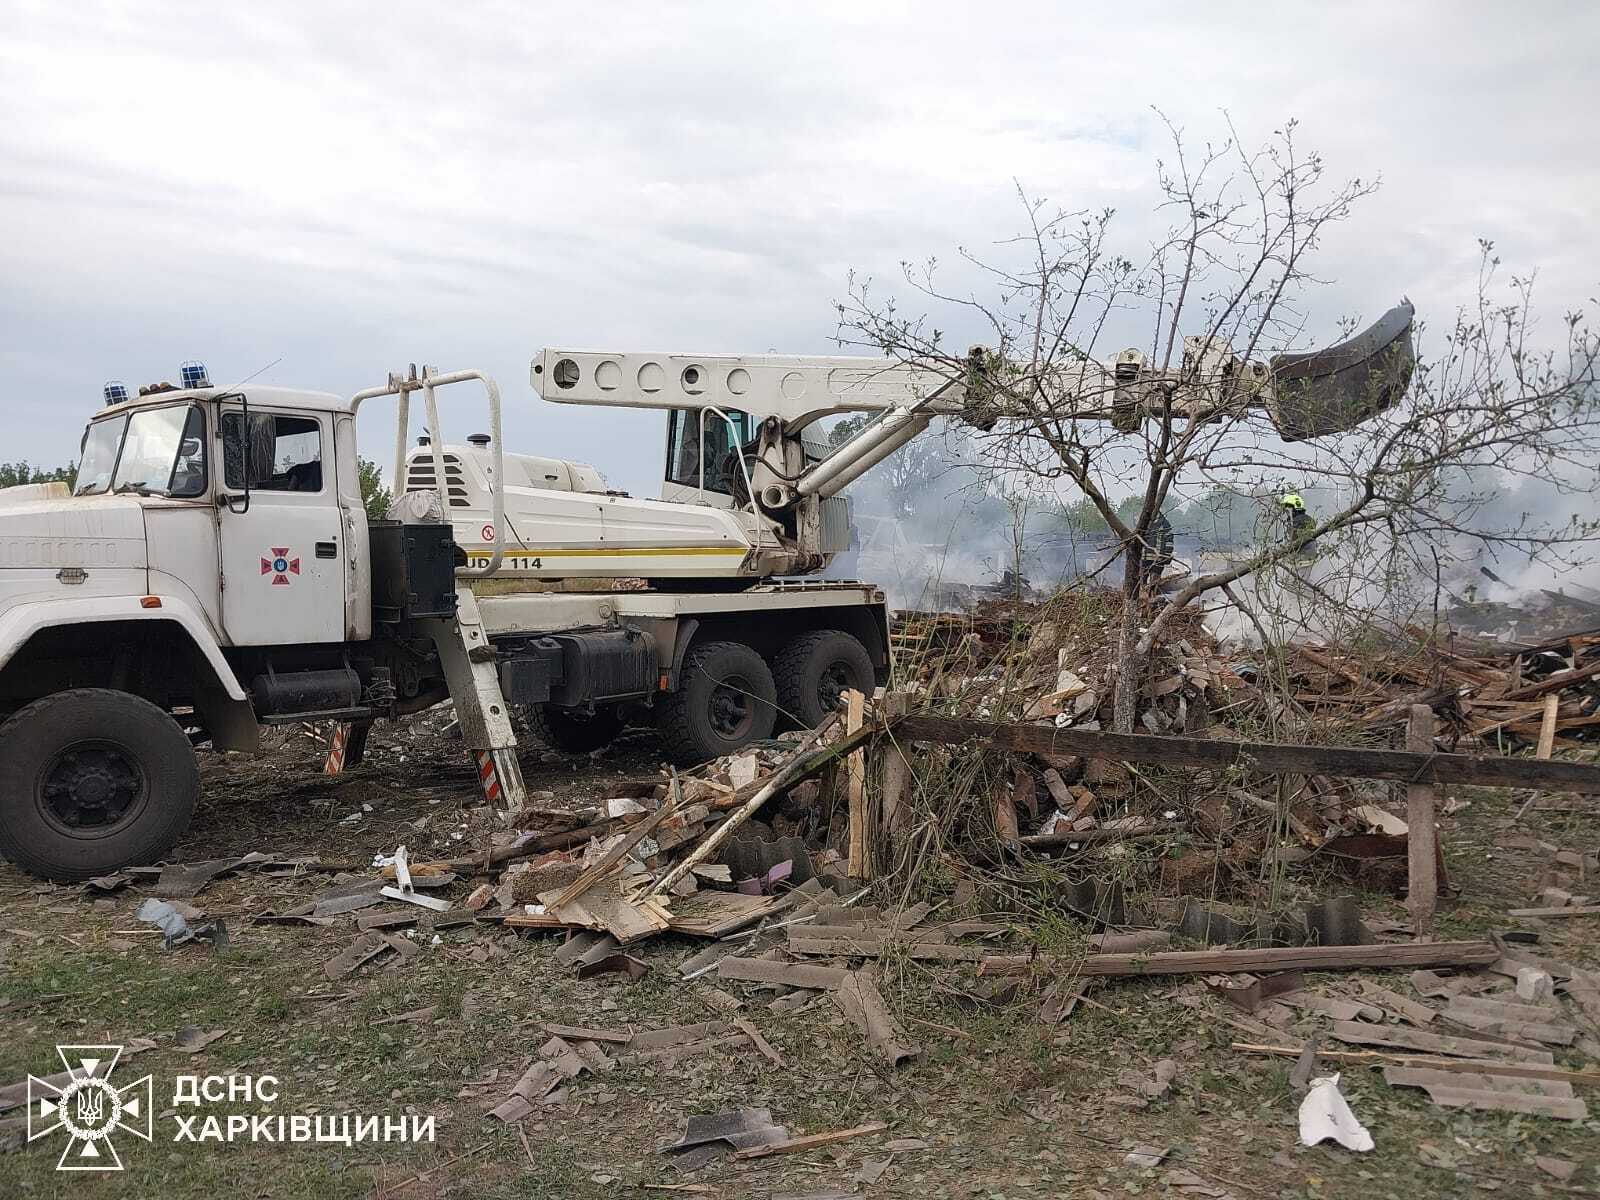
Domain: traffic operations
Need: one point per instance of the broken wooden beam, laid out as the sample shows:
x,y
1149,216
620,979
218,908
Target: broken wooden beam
x,y
789,772
618,852
1286,958
877,947
811,1141
1347,762
1086,837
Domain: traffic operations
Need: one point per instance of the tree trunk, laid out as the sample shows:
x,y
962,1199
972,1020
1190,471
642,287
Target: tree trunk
x,y
1130,657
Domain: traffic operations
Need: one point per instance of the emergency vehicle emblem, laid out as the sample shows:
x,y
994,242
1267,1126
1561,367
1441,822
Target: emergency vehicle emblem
x,y
280,566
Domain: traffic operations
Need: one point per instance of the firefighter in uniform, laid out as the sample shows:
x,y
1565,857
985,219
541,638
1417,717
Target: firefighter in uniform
x,y
1158,550
1295,514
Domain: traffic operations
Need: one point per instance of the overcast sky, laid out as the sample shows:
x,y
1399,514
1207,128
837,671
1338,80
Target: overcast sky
x,y
347,188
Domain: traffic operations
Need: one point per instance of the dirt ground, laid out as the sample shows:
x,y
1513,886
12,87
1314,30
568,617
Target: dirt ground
x,y
996,1106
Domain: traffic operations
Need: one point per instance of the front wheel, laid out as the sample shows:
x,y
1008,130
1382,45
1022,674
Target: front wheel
x,y
91,781
725,700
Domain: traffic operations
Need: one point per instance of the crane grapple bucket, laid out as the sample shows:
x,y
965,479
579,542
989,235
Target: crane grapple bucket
x,y
1334,390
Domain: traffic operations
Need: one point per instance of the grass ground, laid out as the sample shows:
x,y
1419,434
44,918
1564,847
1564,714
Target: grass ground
x,y
1003,1107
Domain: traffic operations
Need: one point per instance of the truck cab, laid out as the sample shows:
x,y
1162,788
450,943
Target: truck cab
x,y
250,504
208,537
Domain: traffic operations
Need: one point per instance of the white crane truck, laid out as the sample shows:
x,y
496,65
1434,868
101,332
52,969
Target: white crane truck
x,y
213,569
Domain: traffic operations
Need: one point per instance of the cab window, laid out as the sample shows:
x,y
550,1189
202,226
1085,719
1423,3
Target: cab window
x,y
163,452
721,463
282,453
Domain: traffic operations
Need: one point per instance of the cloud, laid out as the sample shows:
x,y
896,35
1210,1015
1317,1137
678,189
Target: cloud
x,y
351,187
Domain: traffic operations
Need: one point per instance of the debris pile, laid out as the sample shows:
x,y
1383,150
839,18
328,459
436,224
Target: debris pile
x,y
1545,695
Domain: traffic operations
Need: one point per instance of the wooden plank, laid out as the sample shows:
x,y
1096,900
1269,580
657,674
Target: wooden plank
x,y
875,947
875,930
1291,958
1547,726
811,1141
1507,1070
1362,1034
1571,910
1422,839
1345,762
856,784
813,763
1553,682
767,1049
713,914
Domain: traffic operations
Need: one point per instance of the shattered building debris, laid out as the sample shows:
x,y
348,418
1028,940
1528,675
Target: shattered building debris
x,y
941,827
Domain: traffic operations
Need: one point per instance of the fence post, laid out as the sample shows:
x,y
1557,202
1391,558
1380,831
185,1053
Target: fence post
x,y
856,774
1422,840
896,771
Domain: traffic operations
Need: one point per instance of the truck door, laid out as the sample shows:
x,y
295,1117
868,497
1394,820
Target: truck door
x,y
282,565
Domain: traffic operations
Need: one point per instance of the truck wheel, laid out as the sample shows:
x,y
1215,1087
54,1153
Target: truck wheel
x,y
93,780
724,701
571,730
818,668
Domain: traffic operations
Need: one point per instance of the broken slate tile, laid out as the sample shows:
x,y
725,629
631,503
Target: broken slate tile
x,y
707,1136
1145,1156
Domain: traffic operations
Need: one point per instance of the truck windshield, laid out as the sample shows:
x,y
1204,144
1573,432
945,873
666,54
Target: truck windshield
x,y
101,441
156,451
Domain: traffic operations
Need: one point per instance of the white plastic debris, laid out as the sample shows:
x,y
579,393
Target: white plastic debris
x,y
175,930
1324,1114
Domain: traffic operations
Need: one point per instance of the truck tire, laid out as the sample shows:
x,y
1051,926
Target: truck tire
x,y
725,700
93,780
815,670
571,730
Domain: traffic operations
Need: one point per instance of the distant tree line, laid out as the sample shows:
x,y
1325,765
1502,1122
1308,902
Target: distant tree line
x,y
18,473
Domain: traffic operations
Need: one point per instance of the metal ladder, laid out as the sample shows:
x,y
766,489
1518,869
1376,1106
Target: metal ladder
x,y
474,680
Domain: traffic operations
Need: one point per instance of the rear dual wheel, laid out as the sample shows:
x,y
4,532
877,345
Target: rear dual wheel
x,y
816,669
725,700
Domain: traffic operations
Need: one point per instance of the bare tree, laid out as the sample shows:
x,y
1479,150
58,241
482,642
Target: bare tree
x,y
1494,398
